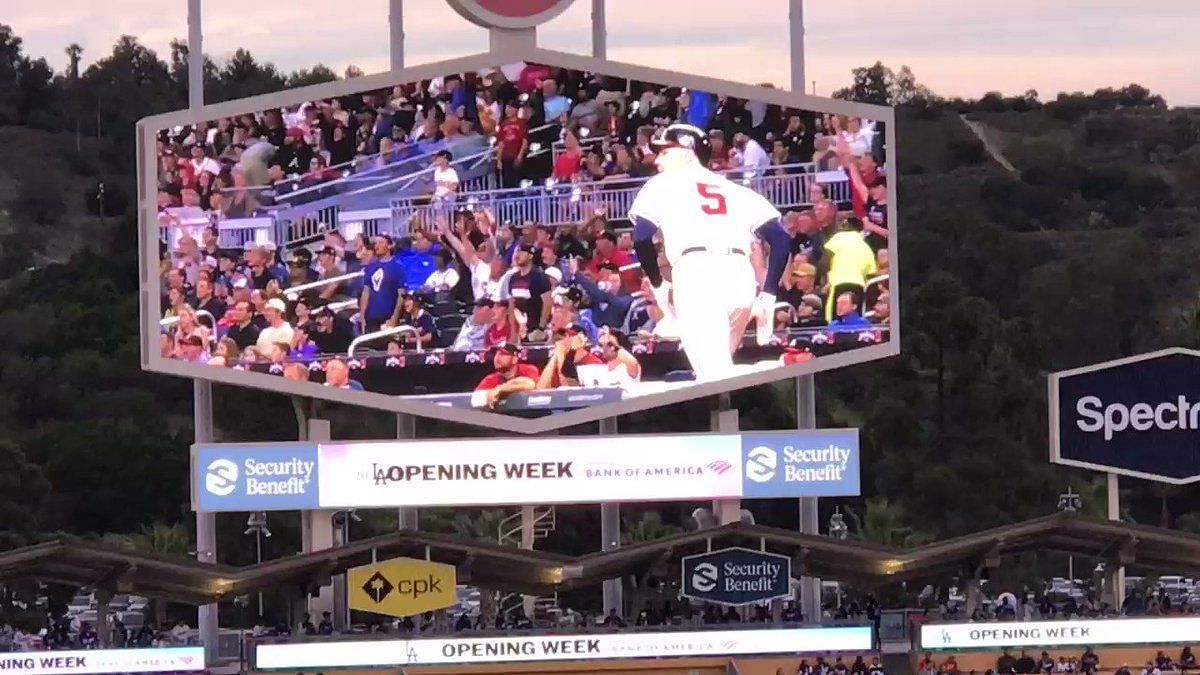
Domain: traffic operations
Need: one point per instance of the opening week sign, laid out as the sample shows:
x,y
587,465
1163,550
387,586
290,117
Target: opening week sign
x,y
679,467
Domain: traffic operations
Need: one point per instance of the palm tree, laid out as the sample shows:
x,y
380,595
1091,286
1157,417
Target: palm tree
x,y
74,54
158,538
886,523
479,525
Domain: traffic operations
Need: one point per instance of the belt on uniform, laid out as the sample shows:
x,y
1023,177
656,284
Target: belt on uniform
x,y
705,249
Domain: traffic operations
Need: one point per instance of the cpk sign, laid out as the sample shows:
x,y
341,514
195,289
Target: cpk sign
x,y
736,576
1138,416
585,647
511,14
680,467
1175,630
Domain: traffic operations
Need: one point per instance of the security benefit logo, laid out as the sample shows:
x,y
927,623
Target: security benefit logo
x,y
817,465
401,587
256,478
736,576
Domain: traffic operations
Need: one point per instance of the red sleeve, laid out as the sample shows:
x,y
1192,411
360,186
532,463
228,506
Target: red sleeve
x,y
528,370
593,266
491,381
858,201
589,360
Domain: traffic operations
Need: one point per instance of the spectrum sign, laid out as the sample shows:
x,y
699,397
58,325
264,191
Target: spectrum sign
x,y
585,647
480,472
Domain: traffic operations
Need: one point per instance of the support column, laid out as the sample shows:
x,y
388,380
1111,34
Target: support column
x,y
806,418
599,39
610,530
206,523
724,419
316,531
406,430
195,56
396,32
1116,576
528,515
796,43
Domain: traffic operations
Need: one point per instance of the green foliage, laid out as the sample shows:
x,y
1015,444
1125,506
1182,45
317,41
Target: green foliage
x,y
649,527
22,489
887,523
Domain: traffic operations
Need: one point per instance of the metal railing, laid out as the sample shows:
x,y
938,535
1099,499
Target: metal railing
x,y
556,204
385,332
293,292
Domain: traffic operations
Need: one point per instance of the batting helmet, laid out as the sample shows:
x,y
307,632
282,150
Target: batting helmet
x,y
684,136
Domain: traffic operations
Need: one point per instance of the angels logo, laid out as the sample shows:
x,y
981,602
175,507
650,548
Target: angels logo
x,y
474,357
355,364
436,359
395,362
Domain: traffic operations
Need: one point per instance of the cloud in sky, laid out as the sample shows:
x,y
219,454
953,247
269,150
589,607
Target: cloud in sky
x,y
955,47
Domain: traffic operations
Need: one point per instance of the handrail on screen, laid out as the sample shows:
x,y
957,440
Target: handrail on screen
x,y
385,332
293,292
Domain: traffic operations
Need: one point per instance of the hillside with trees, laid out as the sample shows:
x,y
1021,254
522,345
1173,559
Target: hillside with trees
x,y
1084,251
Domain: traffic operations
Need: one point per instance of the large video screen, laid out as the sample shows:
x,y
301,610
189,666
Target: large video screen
x,y
523,239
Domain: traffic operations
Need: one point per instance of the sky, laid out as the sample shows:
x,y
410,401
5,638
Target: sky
x,y
956,47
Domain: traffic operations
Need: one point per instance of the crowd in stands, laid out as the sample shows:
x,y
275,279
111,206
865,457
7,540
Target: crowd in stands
x,y
460,280
1088,662
63,633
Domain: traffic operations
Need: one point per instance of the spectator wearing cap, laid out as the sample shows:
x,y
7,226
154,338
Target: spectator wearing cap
x,y
512,143
473,334
327,266
300,269
278,330
414,314
847,317
852,263
332,333
383,283
337,376
570,351
572,301
607,252
798,281
509,377
258,267
243,331
810,313
504,327
526,286
295,156
191,349
445,177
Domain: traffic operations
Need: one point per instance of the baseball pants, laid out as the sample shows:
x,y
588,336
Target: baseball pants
x,y
712,294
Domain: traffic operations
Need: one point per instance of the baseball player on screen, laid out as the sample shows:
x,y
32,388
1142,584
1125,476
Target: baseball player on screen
x,y
708,225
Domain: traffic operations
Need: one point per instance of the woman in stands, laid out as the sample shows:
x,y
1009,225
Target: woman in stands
x,y
187,327
243,203
227,354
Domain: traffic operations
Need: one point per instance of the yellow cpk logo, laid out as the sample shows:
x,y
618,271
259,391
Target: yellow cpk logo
x,y
401,587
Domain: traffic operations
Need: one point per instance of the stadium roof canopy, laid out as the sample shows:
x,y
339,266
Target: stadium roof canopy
x,y
79,562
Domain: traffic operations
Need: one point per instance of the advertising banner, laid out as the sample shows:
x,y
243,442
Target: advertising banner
x,y
583,647
736,576
162,659
1138,416
1175,630
677,467
401,587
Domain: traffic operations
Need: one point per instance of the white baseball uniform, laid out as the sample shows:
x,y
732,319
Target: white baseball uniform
x,y
707,224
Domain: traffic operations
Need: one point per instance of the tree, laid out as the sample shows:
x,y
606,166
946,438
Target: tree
x,y
158,538
649,527
74,55
887,523
23,486
353,71
315,75
879,85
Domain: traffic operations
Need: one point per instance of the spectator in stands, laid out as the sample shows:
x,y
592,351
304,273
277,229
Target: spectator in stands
x,y
413,314
445,177
337,375
613,620
751,157
473,334
570,351
191,349
607,252
1046,663
510,375
444,277
1187,660
1090,662
278,330
333,334
303,346
243,332
1005,664
881,312
1026,665
504,327
206,302
1123,670
617,353
300,269
383,282
526,285
555,104
226,355
1150,669
512,143
852,263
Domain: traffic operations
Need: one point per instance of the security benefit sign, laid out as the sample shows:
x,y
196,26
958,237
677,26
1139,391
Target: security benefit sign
x,y
736,576
401,587
818,464
1138,416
